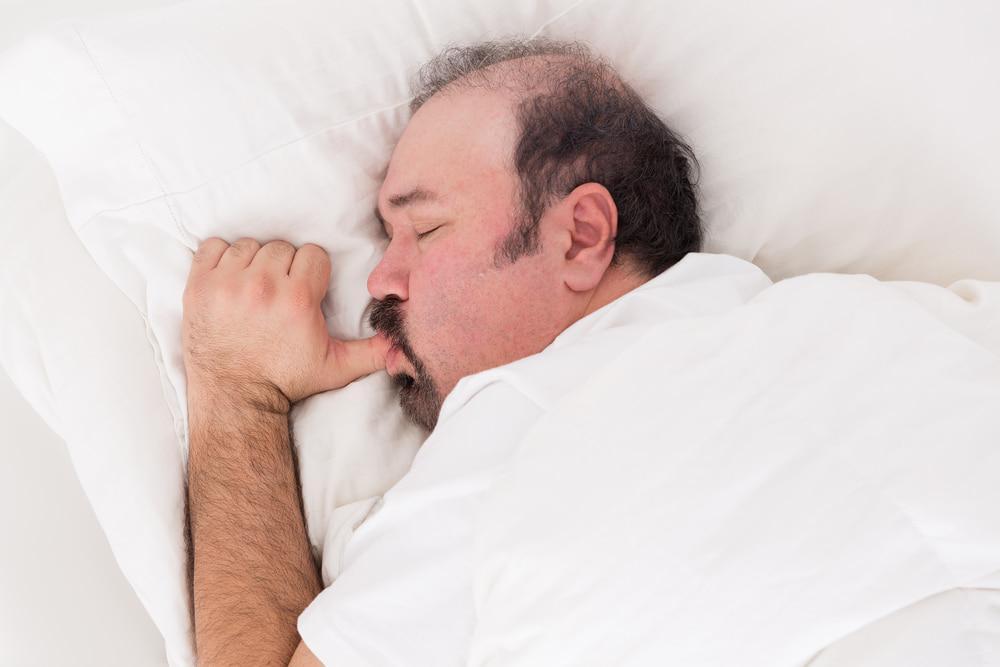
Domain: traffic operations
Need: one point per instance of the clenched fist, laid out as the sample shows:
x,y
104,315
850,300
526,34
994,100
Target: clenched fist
x,y
253,329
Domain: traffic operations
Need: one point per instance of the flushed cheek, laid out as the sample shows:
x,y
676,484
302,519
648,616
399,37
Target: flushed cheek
x,y
453,323
476,322
453,277
459,314
434,294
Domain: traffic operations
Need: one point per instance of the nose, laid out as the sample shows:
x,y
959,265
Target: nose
x,y
390,276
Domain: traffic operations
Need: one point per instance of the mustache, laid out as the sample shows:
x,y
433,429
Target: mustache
x,y
418,394
386,318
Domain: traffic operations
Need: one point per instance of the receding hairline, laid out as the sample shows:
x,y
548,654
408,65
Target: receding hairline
x,y
580,120
522,67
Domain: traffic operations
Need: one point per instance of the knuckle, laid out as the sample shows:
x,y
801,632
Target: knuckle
x,y
210,241
246,246
280,248
317,256
313,250
207,245
316,259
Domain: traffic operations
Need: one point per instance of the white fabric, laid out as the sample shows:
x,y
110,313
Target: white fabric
x,y
957,627
832,139
404,596
27,192
647,491
78,351
751,488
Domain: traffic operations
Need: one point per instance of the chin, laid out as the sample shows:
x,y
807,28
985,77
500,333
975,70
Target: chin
x,y
419,399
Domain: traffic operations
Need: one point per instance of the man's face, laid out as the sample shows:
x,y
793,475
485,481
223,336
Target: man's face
x,y
440,297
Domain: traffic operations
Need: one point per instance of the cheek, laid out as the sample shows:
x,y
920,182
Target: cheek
x,y
455,303
435,288
457,292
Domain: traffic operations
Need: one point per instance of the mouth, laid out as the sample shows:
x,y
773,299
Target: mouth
x,y
397,363
392,360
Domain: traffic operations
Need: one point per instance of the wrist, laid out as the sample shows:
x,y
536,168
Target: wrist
x,y
242,397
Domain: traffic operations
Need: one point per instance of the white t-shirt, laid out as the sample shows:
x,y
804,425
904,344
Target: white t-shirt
x,y
405,592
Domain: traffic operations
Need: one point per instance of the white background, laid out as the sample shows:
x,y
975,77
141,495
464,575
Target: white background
x,y
63,600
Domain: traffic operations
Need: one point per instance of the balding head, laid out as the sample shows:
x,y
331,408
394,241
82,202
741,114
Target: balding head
x,y
577,121
531,187
516,68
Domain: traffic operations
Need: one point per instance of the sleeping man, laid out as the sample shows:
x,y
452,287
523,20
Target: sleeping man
x,y
531,188
779,482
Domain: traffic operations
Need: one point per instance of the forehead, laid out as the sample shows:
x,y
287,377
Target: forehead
x,y
458,141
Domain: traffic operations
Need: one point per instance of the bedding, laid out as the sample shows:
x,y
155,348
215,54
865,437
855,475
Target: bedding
x,y
754,486
831,140
77,349
407,572
710,470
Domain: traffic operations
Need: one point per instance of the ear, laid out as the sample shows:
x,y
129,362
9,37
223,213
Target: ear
x,y
591,223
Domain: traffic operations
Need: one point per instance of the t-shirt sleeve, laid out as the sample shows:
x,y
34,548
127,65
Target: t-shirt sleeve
x,y
405,600
370,616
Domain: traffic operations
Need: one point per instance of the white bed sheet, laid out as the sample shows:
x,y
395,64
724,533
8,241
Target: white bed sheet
x,y
923,259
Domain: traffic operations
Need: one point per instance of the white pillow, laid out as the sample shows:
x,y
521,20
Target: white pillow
x,y
831,137
78,351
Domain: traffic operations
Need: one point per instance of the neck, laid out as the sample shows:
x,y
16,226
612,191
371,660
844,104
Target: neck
x,y
615,283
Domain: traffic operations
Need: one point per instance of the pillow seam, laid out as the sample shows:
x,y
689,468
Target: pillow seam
x,y
138,144
211,180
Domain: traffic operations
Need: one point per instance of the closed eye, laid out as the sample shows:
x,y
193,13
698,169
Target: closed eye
x,y
420,236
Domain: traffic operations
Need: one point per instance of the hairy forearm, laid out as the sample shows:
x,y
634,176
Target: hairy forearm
x,y
253,572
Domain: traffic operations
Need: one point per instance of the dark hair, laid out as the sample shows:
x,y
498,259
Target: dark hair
x,y
580,122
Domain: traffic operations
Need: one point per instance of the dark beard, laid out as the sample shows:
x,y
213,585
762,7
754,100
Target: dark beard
x,y
418,396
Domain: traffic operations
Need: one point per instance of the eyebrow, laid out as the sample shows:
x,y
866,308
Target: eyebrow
x,y
407,198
